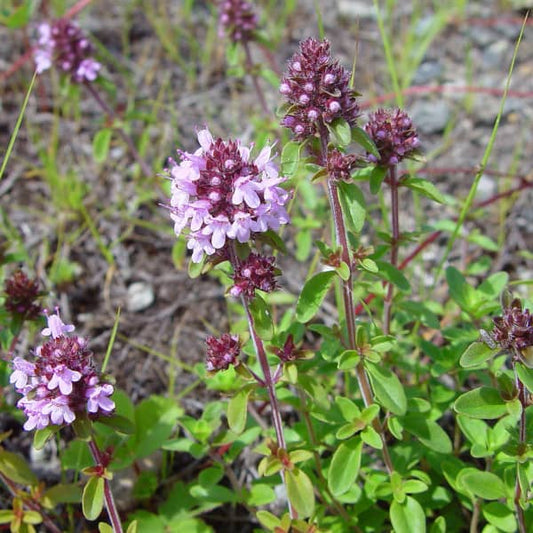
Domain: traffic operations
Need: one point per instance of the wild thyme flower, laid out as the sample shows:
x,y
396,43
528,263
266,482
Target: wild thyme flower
x,y
393,134
255,272
222,352
61,381
221,193
514,329
237,19
21,294
340,166
62,43
318,89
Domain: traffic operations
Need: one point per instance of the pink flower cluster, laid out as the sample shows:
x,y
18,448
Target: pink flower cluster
x,y
62,43
317,89
393,134
237,19
61,382
221,193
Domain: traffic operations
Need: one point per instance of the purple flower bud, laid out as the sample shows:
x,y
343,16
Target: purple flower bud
x,y
21,295
222,352
255,272
394,135
514,329
312,71
238,20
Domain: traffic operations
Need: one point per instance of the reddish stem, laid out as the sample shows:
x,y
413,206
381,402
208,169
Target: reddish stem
x,y
112,512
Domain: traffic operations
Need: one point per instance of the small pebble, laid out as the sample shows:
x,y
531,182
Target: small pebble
x,y
140,296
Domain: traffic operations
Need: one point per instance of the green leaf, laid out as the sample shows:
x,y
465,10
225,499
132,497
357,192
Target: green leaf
x,y
313,292
428,432
6,516
371,437
119,423
238,410
19,17
476,354
42,436
341,131
62,493
290,158
31,517
439,525
361,137
525,375
485,485
461,292
195,269
407,517
260,494
344,466
376,178
387,388
262,318
348,359
353,205
500,516
394,275
300,492
425,187
15,468
101,143
104,528
267,519
93,498
483,402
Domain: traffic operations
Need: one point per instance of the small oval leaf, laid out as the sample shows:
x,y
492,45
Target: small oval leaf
x,y
93,498
312,295
483,402
300,492
344,466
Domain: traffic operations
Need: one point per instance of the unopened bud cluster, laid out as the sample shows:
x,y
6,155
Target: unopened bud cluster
x,y
393,134
514,329
61,382
222,352
317,89
255,272
21,295
237,19
62,43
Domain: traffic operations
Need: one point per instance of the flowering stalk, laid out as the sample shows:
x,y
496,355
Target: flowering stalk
x,y
347,296
522,439
110,505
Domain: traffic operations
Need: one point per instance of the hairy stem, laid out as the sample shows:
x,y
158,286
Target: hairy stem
x,y
267,381
147,171
395,225
347,296
476,508
110,505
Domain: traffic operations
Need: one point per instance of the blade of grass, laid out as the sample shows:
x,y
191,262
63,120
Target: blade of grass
x,y
17,126
389,56
472,193
111,342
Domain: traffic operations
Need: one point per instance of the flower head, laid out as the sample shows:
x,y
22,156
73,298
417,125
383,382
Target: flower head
x,y
340,166
237,19
255,272
514,329
393,134
222,352
62,43
318,89
221,193
21,293
61,382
